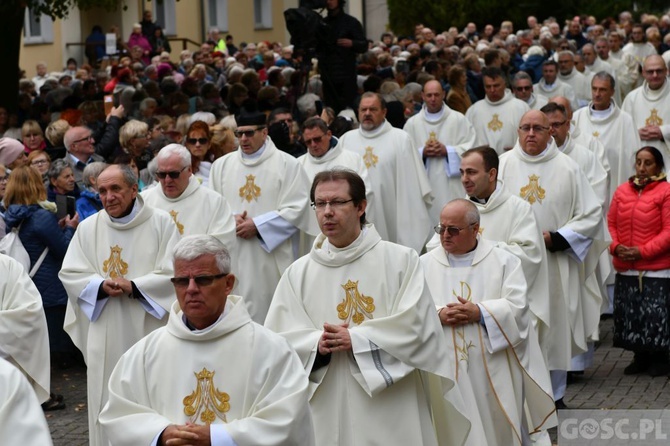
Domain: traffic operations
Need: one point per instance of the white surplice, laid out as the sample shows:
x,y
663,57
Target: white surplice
x,y
401,188
22,420
651,107
24,339
273,189
340,158
567,204
198,210
378,288
104,329
590,165
496,123
618,134
537,101
499,362
457,134
235,375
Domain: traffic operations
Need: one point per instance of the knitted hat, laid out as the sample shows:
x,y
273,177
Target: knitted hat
x,y
10,150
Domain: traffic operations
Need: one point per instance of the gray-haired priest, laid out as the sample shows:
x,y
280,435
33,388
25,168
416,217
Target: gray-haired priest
x,y
211,376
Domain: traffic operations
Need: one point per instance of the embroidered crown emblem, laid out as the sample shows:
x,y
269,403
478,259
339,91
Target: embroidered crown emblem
x,y
370,158
114,266
355,306
250,191
206,403
532,192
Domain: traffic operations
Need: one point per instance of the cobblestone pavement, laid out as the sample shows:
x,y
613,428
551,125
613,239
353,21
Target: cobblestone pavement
x,y
602,386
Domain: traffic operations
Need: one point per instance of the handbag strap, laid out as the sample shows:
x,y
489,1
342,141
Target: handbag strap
x,y
37,264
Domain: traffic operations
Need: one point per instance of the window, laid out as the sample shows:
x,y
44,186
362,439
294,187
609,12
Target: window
x,y
218,14
37,28
263,14
164,15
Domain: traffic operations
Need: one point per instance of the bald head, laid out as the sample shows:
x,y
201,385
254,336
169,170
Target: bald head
x,y
461,217
560,100
534,132
654,71
433,96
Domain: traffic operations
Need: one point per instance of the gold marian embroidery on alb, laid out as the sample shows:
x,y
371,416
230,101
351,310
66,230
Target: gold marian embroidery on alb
x,y
370,158
653,118
532,192
596,134
180,227
432,137
355,306
206,403
114,266
496,124
250,191
462,345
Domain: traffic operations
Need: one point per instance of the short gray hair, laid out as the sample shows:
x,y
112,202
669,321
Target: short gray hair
x,y
174,149
472,213
92,170
603,76
193,246
57,167
128,173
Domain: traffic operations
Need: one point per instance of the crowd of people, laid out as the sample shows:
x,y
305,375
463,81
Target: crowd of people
x,y
437,220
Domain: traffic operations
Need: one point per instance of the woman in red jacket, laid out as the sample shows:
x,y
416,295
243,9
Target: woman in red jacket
x,y
639,222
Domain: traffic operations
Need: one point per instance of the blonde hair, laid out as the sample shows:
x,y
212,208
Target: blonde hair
x,y
31,126
56,132
25,187
132,129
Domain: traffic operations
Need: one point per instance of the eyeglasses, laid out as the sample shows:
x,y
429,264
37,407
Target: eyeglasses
x,y
4,179
174,174
247,133
530,87
183,282
315,140
38,162
660,71
334,204
451,230
202,141
534,128
555,125
85,138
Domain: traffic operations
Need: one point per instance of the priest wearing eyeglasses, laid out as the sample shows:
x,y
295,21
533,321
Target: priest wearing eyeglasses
x,y
357,311
116,273
195,209
227,380
268,192
570,216
480,295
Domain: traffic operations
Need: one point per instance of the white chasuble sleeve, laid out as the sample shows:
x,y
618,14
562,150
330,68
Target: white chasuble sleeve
x,y
273,229
22,421
24,339
374,369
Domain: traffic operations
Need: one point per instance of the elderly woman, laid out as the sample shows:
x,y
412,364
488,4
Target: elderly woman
x,y
61,181
46,238
12,154
32,136
40,160
198,142
134,140
89,202
639,223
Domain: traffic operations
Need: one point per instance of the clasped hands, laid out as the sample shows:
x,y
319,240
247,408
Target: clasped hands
x,y
188,434
434,148
245,226
627,253
461,313
335,338
117,287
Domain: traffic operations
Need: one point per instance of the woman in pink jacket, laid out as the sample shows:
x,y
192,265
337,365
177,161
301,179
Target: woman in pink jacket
x,y
639,222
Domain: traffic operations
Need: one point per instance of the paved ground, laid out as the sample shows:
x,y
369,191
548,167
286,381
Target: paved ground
x,y
602,386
